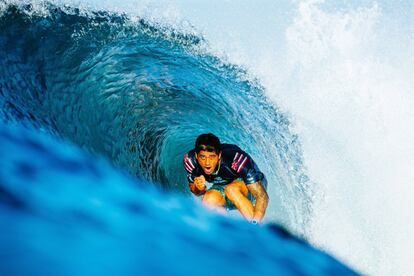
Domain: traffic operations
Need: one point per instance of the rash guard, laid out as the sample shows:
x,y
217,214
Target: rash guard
x,y
234,164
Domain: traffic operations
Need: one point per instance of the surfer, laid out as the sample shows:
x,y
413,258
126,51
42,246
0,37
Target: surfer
x,y
226,177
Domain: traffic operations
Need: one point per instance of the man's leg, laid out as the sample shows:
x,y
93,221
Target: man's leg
x,y
237,193
214,200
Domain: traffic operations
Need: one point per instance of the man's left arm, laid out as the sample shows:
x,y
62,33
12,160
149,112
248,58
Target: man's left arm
x,y
253,177
262,199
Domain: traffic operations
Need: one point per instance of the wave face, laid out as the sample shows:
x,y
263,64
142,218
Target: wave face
x,y
139,94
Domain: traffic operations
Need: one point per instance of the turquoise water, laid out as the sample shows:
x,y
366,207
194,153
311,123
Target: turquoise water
x,y
318,92
137,95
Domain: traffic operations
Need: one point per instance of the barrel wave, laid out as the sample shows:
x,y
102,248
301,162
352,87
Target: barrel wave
x,y
137,94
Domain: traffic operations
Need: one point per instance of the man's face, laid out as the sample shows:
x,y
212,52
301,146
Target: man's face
x,y
208,161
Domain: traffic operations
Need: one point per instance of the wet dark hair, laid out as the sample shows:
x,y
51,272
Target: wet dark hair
x,y
208,142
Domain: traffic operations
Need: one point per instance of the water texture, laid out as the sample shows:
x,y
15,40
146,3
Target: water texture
x,y
136,94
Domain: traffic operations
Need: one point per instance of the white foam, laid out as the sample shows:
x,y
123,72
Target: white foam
x,y
344,74
352,108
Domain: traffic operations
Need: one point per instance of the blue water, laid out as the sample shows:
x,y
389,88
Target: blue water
x,y
134,94
139,95
64,212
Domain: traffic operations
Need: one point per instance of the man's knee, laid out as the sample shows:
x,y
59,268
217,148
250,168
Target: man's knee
x,y
213,197
234,188
231,189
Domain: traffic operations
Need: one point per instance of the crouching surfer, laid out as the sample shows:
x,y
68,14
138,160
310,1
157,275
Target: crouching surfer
x,y
237,182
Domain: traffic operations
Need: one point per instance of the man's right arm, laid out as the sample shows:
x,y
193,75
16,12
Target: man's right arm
x,y
198,187
196,184
195,190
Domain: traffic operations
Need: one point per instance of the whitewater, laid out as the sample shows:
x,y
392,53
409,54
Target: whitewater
x,y
343,71
329,81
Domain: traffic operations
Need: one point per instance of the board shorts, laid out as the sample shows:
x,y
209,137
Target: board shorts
x,y
229,205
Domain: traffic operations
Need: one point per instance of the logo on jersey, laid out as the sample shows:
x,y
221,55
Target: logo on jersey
x,y
188,164
239,161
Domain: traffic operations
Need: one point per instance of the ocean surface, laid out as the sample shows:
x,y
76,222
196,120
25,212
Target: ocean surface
x,y
100,101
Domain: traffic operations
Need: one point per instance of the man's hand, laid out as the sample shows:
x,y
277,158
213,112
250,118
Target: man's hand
x,y
199,186
200,183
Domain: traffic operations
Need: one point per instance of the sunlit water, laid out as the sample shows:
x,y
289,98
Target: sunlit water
x,y
318,93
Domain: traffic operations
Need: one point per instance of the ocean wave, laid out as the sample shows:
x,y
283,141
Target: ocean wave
x,y
139,93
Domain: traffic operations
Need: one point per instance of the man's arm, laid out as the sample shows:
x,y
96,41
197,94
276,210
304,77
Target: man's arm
x,y
262,199
194,190
195,184
248,170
